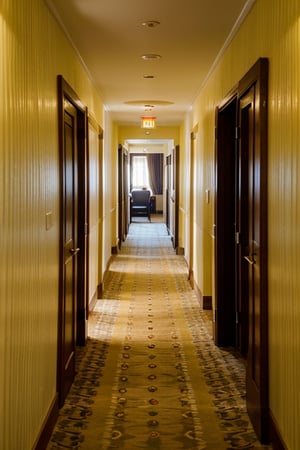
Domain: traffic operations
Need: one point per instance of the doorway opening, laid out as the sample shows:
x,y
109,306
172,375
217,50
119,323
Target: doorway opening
x,y
147,159
152,164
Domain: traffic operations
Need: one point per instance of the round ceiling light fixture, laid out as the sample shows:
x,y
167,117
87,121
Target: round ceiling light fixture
x,y
150,56
151,23
153,103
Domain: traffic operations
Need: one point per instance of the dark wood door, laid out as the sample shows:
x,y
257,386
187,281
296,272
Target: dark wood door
x,y
172,195
241,315
123,194
175,195
70,251
72,328
252,223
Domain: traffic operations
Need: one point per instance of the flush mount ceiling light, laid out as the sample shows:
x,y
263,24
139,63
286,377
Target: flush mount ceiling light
x,y
151,23
148,76
148,102
148,107
150,56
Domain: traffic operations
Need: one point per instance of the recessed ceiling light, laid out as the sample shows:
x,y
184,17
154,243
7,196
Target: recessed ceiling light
x,y
150,56
151,23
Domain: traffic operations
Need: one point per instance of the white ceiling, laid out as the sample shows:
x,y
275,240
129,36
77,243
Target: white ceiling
x,y
110,38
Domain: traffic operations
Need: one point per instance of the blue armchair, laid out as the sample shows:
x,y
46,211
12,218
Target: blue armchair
x,y
140,204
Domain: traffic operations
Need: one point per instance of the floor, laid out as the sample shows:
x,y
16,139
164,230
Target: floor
x,y
150,376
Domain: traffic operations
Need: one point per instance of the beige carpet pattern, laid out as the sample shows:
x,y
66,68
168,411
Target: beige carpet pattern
x,y
150,376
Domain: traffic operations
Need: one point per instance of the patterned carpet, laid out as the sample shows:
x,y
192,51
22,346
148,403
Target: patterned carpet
x,y
150,376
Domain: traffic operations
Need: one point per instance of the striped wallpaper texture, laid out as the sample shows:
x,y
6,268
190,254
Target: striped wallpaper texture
x,y
272,30
33,51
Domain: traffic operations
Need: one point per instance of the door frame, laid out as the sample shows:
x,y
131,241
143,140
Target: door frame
x,y
123,194
172,195
257,387
257,398
175,196
64,91
193,138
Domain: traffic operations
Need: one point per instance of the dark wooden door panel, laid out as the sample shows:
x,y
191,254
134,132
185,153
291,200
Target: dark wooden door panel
x,y
70,250
241,256
123,194
252,106
172,195
71,326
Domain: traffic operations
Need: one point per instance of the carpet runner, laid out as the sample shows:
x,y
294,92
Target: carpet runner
x,y
150,376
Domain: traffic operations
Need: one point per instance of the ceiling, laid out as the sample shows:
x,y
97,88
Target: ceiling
x,y
111,36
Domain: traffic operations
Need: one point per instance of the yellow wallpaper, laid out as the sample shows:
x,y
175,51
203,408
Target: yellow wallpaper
x,y
127,132
33,51
272,29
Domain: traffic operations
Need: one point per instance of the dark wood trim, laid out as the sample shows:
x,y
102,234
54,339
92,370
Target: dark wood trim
x,y
99,291
191,278
229,97
47,427
124,213
114,250
205,301
275,435
180,251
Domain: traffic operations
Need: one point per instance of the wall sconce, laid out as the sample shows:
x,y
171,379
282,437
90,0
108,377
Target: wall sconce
x,y
148,122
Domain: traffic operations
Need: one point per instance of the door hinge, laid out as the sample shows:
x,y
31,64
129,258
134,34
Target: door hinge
x,y
237,237
237,132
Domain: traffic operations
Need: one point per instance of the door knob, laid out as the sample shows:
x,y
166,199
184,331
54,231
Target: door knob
x,y
249,259
73,251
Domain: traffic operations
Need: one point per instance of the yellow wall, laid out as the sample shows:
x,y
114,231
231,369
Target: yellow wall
x,y
129,132
271,30
33,52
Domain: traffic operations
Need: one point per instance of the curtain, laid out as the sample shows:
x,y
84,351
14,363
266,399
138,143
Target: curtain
x,y
155,167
